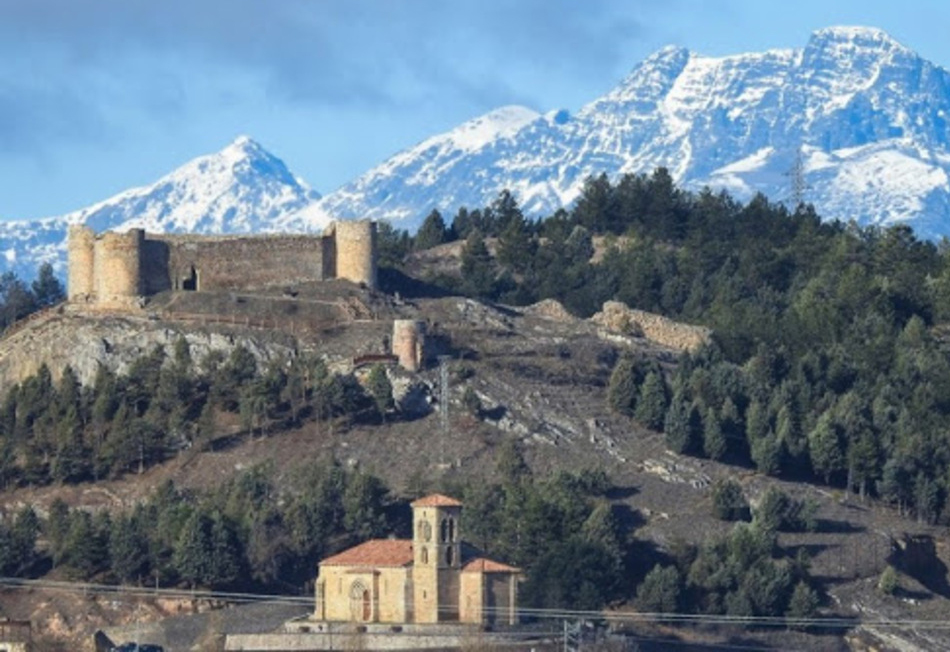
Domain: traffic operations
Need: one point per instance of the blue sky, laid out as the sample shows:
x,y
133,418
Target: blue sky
x,y
100,95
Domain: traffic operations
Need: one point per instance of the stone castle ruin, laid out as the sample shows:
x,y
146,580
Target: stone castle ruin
x,y
115,270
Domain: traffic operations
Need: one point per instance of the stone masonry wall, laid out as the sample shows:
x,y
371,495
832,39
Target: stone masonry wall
x,y
231,263
617,317
113,270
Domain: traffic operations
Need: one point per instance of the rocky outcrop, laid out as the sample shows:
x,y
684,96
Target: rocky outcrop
x,y
550,309
84,343
618,318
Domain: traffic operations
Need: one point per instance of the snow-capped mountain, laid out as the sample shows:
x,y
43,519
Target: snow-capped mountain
x,y
241,189
867,116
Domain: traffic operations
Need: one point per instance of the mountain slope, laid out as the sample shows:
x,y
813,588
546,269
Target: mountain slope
x,y
866,114
241,189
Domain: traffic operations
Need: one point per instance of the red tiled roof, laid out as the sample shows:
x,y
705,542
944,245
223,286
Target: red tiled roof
x,y
483,565
436,500
376,552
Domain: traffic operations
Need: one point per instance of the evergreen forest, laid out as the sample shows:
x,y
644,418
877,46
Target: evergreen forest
x,y
829,361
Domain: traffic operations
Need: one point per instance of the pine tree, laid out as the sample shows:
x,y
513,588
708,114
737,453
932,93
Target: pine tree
x,y
660,590
767,454
516,248
714,442
652,404
803,604
757,422
22,545
431,233
478,269
363,514
622,389
205,428
127,549
71,461
788,431
728,501
47,289
381,390
80,550
56,529
678,425
225,558
824,447
192,557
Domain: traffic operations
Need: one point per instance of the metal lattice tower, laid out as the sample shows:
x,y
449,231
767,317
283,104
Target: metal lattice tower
x,y
572,636
443,405
797,178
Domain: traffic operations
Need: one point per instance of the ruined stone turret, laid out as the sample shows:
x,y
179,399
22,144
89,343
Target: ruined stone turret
x,y
118,268
409,343
81,257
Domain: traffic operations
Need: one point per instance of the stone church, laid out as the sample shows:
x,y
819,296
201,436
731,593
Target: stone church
x,y
433,578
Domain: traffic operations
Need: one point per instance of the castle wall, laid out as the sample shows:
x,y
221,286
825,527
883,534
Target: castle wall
x,y
113,270
233,262
80,254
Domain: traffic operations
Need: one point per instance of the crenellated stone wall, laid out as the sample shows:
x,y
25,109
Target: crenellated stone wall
x,y
115,270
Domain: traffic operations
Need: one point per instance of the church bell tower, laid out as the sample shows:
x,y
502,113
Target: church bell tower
x,y
437,558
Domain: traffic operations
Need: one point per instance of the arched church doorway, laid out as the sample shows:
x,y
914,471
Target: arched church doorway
x,y
361,607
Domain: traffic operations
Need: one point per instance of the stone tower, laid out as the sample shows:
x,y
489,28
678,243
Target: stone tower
x,y
437,558
117,268
355,251
81,257
409,343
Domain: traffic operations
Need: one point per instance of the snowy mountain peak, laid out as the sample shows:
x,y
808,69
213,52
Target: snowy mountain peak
x,y
475,133
859,36
870,116
241,189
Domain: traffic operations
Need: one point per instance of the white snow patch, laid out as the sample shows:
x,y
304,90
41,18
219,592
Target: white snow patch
x,y
748,164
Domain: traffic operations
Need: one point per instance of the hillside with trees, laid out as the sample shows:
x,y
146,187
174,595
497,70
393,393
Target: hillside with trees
x,y
827,369
829,360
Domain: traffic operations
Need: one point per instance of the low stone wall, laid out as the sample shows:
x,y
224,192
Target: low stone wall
x,y
618,318
319,635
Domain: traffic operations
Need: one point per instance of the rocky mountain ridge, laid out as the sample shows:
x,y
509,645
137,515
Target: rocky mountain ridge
x,y
241,189
854,122
863,116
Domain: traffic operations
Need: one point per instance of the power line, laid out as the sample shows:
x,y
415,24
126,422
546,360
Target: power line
x,y
537,613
